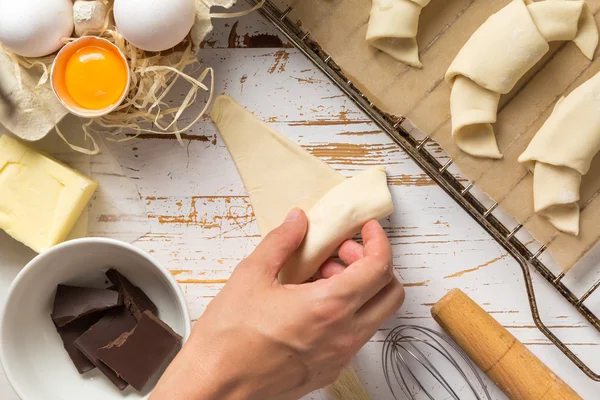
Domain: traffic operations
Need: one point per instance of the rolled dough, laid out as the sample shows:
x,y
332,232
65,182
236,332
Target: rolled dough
x,y
561,153
337,216
393,26
499,53
279,175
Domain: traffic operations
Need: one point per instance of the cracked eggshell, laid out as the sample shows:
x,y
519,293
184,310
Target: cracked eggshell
x,y
203,25
89,16
154,25
34,28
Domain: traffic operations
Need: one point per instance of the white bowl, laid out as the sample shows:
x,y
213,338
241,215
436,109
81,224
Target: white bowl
x,y
31,350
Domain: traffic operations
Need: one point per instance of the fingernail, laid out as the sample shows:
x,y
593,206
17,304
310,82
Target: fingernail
x,y
293,215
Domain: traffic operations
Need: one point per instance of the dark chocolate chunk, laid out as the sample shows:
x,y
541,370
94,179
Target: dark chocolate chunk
x,y
110,327
73,302
137,355
133,296
69,333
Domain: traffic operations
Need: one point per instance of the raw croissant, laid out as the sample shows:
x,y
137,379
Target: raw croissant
x,y
393,27
561,152
499,53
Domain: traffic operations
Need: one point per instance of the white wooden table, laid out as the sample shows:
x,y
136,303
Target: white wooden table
x,y
202,225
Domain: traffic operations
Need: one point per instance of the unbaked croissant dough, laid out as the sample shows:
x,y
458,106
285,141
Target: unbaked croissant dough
x,y
339,215
271,165
561,152
393,27
279,175
499,53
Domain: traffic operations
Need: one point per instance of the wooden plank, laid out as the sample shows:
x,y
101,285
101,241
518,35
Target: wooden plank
x,y
201,222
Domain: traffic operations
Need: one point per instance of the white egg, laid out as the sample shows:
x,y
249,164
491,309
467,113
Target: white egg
x,y
34,28
154,25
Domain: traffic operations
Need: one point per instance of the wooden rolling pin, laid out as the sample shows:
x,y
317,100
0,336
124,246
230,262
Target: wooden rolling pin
x,y
519,373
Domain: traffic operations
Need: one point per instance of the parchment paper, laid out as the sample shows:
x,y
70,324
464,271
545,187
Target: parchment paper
x,y
423,96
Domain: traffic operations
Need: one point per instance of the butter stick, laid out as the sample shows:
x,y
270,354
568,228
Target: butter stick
x,y
40,198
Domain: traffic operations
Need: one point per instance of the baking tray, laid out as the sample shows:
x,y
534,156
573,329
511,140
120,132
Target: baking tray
x,y
415,147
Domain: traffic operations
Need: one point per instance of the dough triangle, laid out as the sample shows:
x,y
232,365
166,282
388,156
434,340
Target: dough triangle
x,y
404,50
277,173
565,218
555,195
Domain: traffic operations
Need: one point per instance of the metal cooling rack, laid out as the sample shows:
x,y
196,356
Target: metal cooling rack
x,y
439,173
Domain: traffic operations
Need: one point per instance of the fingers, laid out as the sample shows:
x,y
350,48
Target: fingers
x,y
364,278
331,268
279,245
350,252
375,241
381,307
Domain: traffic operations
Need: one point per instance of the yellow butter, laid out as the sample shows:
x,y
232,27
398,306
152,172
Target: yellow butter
x,y
40,198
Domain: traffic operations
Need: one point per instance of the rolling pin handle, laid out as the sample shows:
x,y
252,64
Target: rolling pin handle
x,y
505,360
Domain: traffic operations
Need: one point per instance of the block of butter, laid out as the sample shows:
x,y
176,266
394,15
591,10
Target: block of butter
x,y
40,198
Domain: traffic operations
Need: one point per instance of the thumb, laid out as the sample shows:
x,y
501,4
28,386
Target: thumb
x,y
279,245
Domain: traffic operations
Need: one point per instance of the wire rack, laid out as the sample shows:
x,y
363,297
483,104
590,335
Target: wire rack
x,y
438,172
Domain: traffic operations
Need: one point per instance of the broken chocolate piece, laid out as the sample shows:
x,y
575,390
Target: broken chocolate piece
x,y
72,302
137,355
110,327
69,333
135,299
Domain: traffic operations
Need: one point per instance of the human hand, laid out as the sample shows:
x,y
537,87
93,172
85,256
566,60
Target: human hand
x,y
259,339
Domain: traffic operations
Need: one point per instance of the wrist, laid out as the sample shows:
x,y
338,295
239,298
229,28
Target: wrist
x,y
210,380
204,371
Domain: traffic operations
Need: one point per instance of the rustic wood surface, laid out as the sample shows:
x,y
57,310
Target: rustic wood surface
x,y
201,222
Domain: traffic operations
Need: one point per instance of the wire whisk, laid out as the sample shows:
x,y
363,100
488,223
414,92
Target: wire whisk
x,y
427,364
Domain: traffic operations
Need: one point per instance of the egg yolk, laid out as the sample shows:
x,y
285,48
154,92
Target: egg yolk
x,y
95,77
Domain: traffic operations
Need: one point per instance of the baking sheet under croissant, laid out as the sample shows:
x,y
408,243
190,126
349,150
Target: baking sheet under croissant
x,y
422,96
